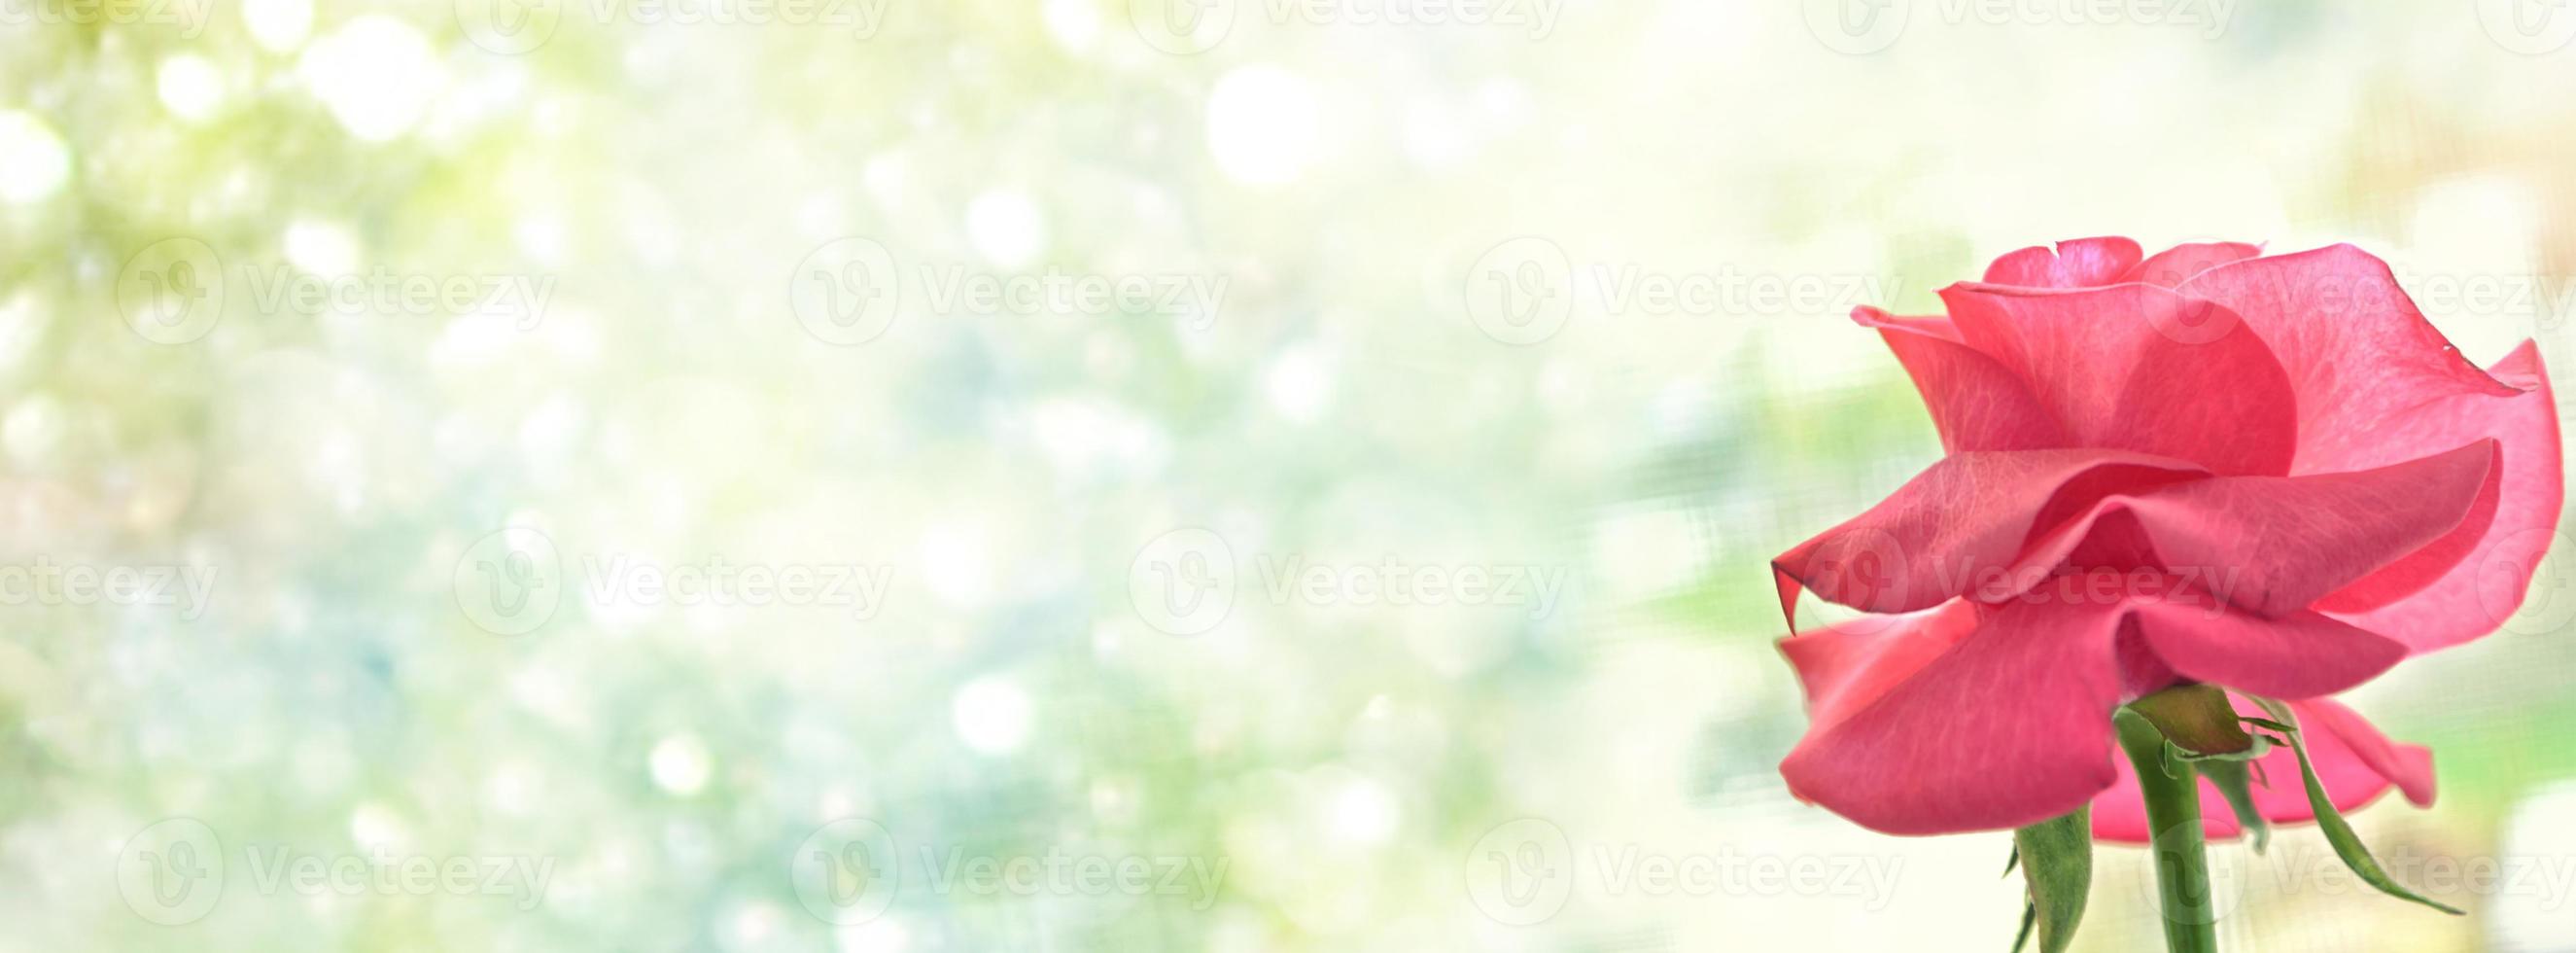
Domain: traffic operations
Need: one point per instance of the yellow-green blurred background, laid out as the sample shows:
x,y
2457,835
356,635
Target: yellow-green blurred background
x,y
1239,475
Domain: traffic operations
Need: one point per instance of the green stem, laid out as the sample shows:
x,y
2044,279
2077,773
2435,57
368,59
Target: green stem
x,y
2182,853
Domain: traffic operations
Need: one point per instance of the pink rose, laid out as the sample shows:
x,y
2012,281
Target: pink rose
x,y
2269,474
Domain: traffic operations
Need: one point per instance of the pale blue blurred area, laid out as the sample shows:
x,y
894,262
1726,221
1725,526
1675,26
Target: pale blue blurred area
x,y
1325,460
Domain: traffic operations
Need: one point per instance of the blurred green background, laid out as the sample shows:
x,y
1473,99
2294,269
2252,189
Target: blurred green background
x,y
1239,475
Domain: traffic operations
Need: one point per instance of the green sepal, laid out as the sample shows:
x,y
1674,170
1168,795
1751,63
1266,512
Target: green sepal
x,y
2234,781
2196,718
2267,723
2347,845
2056,859
2263,745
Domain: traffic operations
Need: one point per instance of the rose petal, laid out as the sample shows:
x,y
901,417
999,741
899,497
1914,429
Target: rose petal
x,y
1888,688
1938,752
2335,730
2276,545
1928,325
1845,667
2302,655
1966,517
2425,566
2377,384
2173,266
2351,341
2137,367
1976,403
2077,263
2179,631
2485,586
